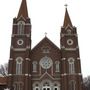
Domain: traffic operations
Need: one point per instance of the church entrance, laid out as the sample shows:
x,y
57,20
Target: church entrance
x,y
46,88
46,85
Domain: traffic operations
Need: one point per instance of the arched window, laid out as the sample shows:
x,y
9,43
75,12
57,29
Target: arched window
x,y
18,86
56,86
57,66
36,86
19,65
21,27
34,66
69,31
45,49
71,65
72,85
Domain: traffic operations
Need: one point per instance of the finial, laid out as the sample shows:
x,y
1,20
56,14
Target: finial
x,y
45,34
66,5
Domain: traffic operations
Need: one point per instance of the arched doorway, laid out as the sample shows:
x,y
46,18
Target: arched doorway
x,y
46,85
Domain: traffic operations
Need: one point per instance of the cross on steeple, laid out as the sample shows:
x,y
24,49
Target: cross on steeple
x,y
66,5
45,34
67,20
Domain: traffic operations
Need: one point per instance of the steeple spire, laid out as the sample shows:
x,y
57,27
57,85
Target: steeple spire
x,y
23,10
67,20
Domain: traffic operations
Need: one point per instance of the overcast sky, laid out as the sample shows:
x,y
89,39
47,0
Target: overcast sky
x,y
47,16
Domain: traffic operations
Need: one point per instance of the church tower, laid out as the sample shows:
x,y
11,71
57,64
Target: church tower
x,y
19,63
45,67
71,77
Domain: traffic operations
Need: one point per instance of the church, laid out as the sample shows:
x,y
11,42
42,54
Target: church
x,y
46,66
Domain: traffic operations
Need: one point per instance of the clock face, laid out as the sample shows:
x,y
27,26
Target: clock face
x,y
46,62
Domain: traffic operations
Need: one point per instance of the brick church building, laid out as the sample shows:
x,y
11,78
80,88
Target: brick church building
x,y
46,66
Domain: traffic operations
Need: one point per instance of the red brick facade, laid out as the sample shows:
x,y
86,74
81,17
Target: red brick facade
x,y
45,67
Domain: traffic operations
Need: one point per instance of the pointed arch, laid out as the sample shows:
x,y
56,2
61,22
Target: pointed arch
x,y
18,85
36,86
72,85
57,66
71,65
19,65
34,66
21,25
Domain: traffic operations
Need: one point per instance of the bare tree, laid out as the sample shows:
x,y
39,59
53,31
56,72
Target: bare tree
x,y
4,70
86,82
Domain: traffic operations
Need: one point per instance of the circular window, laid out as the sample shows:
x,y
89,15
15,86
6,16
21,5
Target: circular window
x,y
46,62
69,41
20,42
71,59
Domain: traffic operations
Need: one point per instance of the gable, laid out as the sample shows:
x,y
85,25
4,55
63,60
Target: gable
x,y
52,52
52,49
45,42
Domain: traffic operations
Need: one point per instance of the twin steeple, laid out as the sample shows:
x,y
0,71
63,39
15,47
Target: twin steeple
x,y
67,20
23,10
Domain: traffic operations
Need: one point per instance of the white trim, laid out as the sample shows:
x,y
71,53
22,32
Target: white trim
x,y
28,35
62,35
57,66
63,59
71,65
71,74
78,58
40,79
22,75
19,49
11,59
55,87
21,17
27,47
39,70
30,75
52,69
19,61
70,42
20,41
21,27
70,49
28,59
27,74
10,74
62,47
6,88
34,66
68,26
47,74
80,74
64,74
36,87
24,24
